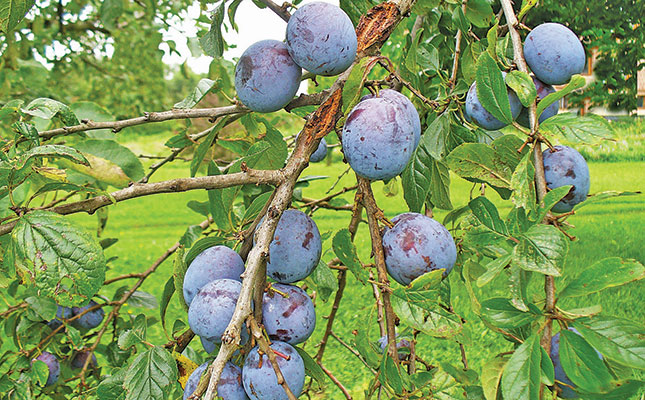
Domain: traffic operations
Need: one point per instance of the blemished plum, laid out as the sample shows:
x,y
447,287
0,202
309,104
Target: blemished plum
x,y
476,113
320,152
52,364
543,90
565,166
406,106
321,39
260,382
560,375
217,262
295,249
266,77
554,53
416,245
61,313
229,386
378,139
78,361
89,320
289,319
212,308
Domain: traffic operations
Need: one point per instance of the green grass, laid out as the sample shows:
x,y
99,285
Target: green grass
x,y
628,144
146,227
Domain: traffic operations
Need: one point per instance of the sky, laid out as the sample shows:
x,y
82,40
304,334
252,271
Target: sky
x,y
254,24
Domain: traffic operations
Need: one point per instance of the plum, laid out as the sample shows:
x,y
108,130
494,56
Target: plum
x,y
560,375
79,358
320,152
476,113
295,249
378,138
52,364
543,90
554,53
403,344
416,245
266,77
259,378
89,320
217,262
229,386
212,308
565,166
61,313
289,319
406,106
321,39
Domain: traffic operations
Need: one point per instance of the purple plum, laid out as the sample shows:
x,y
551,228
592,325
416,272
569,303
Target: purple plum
x,y
217,262
229,386
52,364
320,152
259,378
476,113
403,344
295,249
378,138
406,106
554,53
266,77
565,166
212,308
89,320
543,90
321,39
416,245
290,319
79,358
61,313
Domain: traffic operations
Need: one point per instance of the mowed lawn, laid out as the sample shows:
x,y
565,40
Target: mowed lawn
x,y
146,227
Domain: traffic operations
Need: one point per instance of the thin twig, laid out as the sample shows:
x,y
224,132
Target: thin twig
x,y
280,11
455,60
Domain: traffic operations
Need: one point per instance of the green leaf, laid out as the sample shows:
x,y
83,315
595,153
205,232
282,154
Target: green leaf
x,y
491,89
603,274
354,85
168,291
355,9
256,206
110,11
47,109
619,391
203,147
618,339
487,214
576,82
362,343
44,307
522,184
523,86
345,250
390,374
87,110
548,371
491,375
61,260
541,249
192,233
204,86
518,284
479,12
151,375
493,269
179,271
40,372
501,313
136,335
27,131
12,12
213,42
110,162
479,162
312,368
198,247
423,178
521,377
324,280
111,387
551,199
438,323
582,364
142,299
587,129
435,136
53,151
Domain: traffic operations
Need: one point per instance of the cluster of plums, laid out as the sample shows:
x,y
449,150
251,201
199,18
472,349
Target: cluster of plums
x,y
211,288
554,54
89,320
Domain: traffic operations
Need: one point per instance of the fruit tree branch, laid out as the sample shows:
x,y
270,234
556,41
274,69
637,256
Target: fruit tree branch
x,y
281,11
455,60
171,186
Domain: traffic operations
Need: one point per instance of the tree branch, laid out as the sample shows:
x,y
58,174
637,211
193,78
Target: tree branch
x,y
280,11
455,61
172,186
